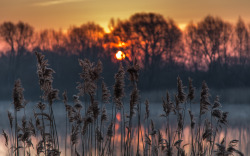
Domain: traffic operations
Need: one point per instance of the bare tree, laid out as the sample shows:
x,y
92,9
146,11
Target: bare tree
x,y
19,37
8,33
149,28
210,38
227,42
173,41
209,33
242,45
193,48
51,40
147,36
24,37
86,39
122,37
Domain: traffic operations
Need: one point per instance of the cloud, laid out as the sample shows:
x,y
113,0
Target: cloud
x,y
55,2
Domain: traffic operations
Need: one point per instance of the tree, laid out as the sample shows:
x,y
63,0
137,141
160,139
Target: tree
x,y
8,33
193,48
147,37
86,40
227,41
172,40
122,37
209,34
19,37
242,45
24,37
51,40
210,38
149,29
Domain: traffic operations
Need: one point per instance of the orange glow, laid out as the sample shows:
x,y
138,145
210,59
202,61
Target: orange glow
x,y
117,126
230,134
120,44
120,55
118,117
183,26
69,13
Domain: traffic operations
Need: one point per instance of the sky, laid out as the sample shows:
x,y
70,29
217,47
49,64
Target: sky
x,y
63,14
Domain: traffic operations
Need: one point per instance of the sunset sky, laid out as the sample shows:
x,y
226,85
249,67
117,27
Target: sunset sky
x,y
61,14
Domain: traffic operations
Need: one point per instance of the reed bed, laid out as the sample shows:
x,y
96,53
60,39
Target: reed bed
x,y
126,130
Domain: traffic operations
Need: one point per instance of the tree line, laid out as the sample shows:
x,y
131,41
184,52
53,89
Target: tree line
x,y
211,48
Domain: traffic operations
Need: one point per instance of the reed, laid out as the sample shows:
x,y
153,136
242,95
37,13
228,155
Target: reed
x,y
93,132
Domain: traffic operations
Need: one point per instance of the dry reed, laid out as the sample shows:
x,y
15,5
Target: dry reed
x,y
93,132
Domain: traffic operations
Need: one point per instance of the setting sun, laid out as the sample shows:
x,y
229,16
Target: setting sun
x,y
120,55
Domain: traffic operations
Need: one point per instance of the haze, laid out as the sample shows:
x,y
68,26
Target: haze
x,y
61,14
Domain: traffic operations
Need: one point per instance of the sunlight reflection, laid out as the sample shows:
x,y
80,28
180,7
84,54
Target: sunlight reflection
x,y
231,133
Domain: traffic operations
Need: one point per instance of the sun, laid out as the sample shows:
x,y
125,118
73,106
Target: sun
x,y
120,55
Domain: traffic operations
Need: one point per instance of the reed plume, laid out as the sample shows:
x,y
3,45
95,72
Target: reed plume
x,y
168,106
45,76
230,150
217,103
78,104
134,71
119,87
97,136
18,95
105,93
134,99
204,100
190,89
18,104
90,74
181,95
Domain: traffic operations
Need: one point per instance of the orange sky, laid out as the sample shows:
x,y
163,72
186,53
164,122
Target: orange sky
x,y
61,14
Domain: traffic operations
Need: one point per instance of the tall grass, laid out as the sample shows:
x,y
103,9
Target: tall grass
x,y
125,132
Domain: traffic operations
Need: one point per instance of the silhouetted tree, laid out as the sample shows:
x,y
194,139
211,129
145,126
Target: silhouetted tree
x,y
147,36
53,41
242,43
8,33
24,37
86,40
44,42
172,40
149,29
193,48
19,37
211,48
210,37
227,35
122,37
